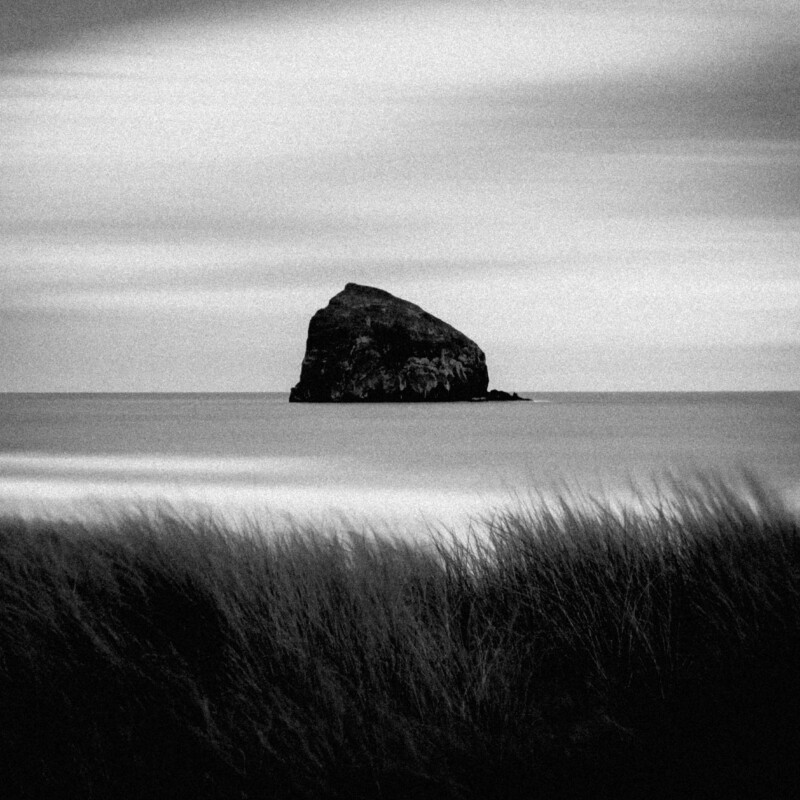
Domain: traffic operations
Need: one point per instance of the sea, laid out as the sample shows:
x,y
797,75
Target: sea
x,y
259,458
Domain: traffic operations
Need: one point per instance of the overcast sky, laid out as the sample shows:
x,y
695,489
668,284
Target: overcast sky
x,y
603,195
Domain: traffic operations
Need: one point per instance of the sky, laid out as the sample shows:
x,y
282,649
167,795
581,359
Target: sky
x,y
605,196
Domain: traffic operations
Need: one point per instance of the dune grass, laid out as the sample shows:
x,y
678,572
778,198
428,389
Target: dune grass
x,y
564,650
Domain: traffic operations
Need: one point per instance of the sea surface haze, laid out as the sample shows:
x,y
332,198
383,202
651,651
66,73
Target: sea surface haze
x,y
259,455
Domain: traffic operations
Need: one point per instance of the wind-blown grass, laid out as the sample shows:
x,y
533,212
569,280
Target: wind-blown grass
x,y
564,650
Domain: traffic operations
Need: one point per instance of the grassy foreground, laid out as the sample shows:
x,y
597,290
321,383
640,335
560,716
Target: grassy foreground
x,y
565,651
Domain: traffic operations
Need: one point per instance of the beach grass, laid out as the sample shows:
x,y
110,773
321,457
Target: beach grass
x,y
563,649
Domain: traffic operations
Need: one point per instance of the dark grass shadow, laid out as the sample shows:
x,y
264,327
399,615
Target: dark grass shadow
x,y
566,648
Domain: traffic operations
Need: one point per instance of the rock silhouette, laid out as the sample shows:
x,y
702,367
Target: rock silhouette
x,y
367,345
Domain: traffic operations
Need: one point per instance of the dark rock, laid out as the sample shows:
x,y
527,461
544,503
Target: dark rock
x,y
498,394
368,345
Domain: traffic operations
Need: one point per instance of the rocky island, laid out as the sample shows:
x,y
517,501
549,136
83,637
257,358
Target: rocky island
x,y
367,345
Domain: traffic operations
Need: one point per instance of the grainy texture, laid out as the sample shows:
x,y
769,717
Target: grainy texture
x,y
563,652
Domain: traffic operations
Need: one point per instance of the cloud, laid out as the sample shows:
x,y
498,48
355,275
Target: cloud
x,y
34,24
165,299
532,172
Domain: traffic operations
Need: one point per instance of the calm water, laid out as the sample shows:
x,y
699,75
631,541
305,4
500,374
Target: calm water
x,y
258,453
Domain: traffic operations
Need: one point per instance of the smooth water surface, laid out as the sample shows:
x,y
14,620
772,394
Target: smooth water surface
x,y
257,452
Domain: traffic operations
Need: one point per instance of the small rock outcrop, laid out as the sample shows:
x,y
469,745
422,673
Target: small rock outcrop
x,y
499,394
367,345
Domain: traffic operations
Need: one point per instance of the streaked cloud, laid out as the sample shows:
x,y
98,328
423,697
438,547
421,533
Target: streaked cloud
x,y
572,175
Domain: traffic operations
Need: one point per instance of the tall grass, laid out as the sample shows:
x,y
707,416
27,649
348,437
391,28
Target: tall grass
x,y
563,650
